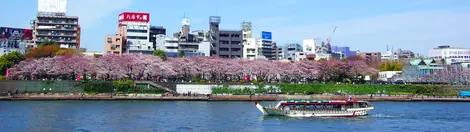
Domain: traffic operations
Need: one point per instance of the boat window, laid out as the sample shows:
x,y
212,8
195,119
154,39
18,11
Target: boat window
x,y
350,105
310,107
336,106
320,107
363,104
300,106
290,106
329,106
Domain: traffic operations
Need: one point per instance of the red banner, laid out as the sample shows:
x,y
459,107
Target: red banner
x,y
134,17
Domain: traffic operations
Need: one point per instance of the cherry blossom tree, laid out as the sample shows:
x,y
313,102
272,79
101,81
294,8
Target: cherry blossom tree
x,y
148,67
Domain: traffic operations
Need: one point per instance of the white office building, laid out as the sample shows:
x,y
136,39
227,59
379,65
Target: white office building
x,y
310,46
389,55
137,37
250,49
171,45
450,54
250,44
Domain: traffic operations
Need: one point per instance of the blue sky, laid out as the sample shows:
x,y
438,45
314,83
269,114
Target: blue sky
x,y
370,25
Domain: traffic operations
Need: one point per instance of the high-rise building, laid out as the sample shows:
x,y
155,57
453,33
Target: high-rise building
x,y
229,44
224,43
52,24
64,30
137,33
250,46
265,45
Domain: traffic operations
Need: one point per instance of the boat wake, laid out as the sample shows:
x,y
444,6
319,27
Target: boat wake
x,y
386,116
421,117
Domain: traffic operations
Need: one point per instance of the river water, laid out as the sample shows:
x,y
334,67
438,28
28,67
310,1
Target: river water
x,y
137,116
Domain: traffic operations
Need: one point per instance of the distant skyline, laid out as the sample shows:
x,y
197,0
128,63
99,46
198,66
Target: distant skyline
x,y
370,25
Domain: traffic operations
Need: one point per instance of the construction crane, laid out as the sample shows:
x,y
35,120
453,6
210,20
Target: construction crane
x,y
328,44
329,38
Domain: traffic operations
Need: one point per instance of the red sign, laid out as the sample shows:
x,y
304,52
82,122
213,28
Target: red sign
x,y
134,17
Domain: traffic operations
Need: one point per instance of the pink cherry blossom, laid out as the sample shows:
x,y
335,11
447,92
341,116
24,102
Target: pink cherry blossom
x,y
149,67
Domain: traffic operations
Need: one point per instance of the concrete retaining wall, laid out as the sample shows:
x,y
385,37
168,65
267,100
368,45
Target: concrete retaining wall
x,y
207,88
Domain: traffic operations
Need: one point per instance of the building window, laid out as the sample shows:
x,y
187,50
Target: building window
x,y
136,31
118,40
224,35
136,37
235,35
223,49
118,47
108,52
236,49
236,42
223,42
113,47
110,40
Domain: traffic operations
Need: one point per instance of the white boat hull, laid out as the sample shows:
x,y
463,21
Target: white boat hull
x,y
314,113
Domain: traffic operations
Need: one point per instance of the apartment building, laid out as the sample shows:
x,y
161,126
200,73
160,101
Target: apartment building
x,y
224,43
64,30
290,49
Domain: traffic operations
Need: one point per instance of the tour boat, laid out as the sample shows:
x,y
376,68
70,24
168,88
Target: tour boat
x,y
317,108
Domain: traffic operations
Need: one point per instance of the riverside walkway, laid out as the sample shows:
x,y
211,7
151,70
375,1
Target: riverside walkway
x,y
223,97
140,97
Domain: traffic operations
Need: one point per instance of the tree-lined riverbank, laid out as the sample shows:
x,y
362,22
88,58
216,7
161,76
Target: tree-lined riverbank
x,y
347,89
161,97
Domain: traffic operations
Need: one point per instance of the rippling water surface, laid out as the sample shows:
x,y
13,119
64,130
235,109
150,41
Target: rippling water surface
x,y
136,116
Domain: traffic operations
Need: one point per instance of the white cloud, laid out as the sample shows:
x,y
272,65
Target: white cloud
x,y
418,31
91,11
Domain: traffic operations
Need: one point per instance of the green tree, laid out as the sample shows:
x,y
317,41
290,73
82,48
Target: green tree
x,y
397,66
180,53
161,54
9,60
390,66
48,42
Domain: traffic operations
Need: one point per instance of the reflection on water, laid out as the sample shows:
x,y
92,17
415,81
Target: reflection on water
x,y
85,116
320,119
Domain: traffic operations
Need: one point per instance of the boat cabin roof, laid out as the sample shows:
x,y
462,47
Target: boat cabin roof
x,y
318,101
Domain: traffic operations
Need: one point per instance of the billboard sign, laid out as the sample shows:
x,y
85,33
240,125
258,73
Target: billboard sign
x,y
52,6
134,17
15,33
266,35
